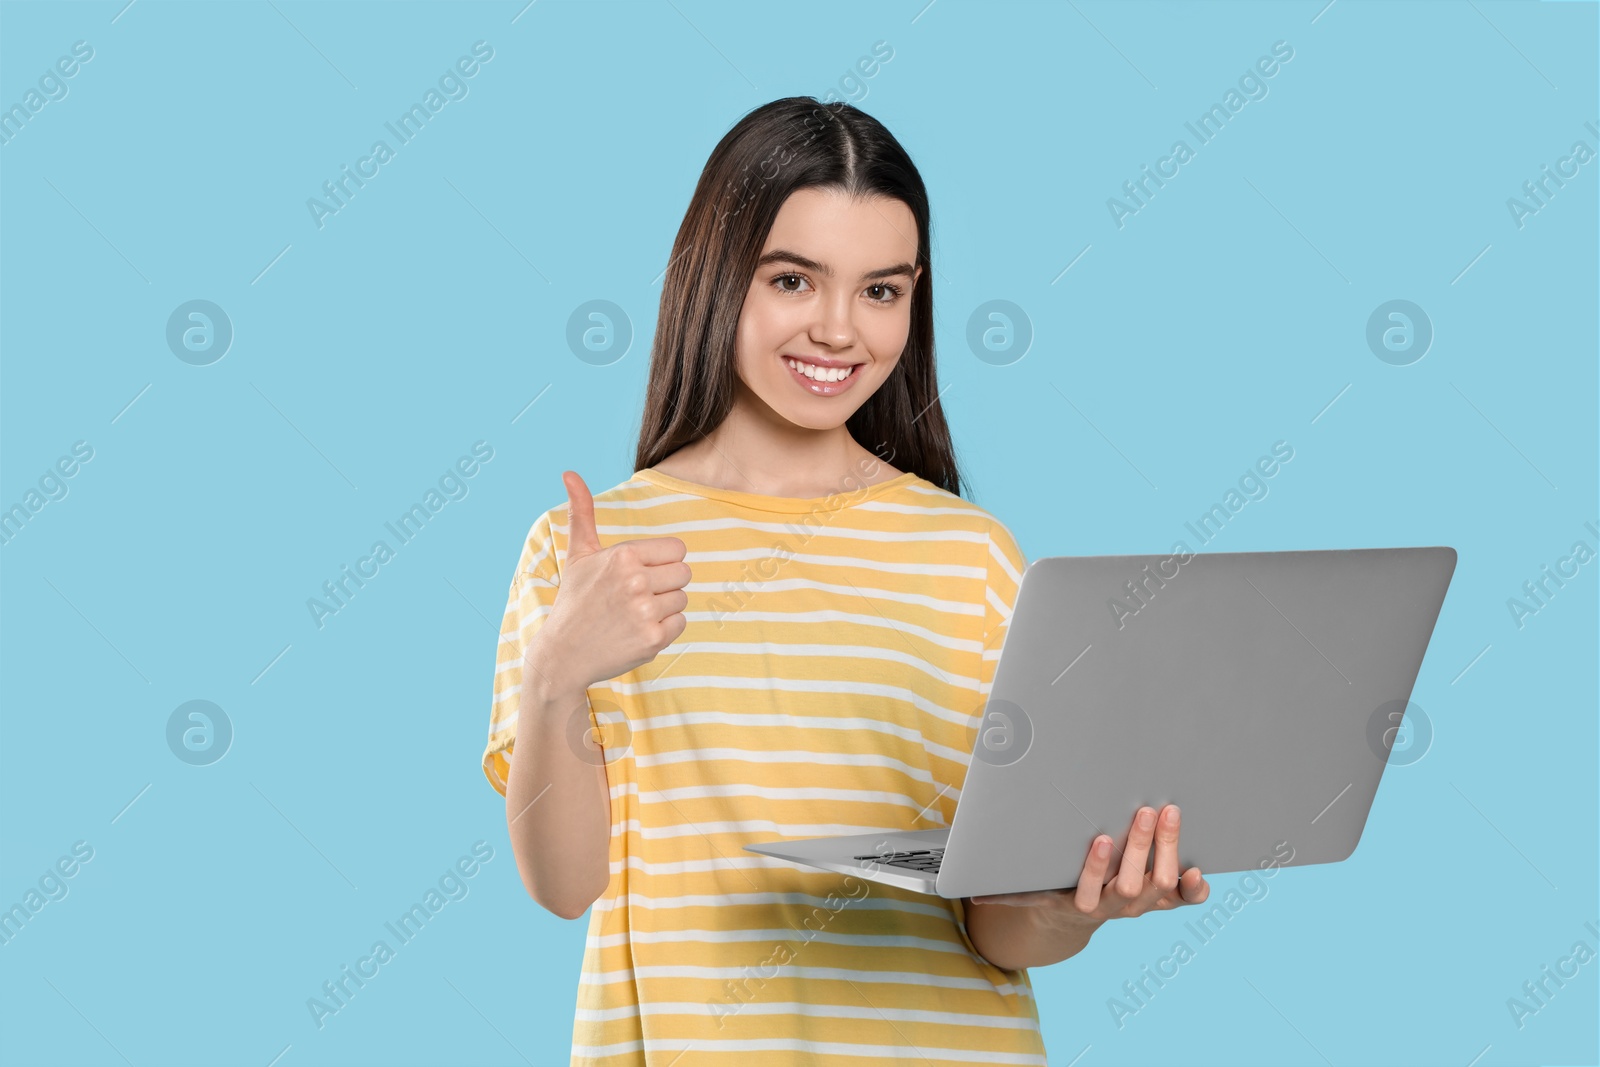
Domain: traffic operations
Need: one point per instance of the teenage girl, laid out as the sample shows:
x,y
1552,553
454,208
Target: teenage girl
x,y
819,669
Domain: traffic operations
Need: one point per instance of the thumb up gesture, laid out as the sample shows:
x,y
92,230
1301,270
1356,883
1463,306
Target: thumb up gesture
x,y
618,606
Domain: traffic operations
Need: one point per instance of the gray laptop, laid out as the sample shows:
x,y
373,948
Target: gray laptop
x,y
1261,692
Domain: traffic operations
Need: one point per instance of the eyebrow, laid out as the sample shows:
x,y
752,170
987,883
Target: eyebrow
x,y
780,255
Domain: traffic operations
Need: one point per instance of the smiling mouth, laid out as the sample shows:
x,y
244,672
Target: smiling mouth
x,y
821,375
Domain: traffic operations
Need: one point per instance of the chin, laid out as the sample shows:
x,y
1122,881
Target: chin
x,y
810,421
822,413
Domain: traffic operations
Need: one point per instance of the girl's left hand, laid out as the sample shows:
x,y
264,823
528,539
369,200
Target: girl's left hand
x,y
1133,891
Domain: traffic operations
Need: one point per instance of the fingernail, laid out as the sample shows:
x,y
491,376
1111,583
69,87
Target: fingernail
x,y
1147,818
1177,815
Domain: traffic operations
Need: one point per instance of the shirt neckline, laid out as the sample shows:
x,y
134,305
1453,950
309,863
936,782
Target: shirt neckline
x,y
788,505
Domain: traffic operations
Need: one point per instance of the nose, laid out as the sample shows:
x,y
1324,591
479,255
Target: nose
x,y
834,325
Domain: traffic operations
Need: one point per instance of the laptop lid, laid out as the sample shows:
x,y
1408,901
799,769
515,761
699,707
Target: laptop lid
x,y
1259,691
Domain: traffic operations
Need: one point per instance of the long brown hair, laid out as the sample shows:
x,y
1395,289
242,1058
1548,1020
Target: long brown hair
x,y
794,143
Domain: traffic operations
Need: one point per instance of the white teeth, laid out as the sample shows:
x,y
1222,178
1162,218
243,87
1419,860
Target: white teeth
x,y
821,374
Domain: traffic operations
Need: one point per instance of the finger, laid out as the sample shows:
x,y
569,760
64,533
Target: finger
x,y
672,627
1193,887
582,538
1093,875
1154,898
1130,876
665,577
669,603
658,551
1164,873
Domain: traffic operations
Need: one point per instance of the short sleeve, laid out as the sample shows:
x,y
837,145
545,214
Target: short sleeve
x,y
528,602
1005,566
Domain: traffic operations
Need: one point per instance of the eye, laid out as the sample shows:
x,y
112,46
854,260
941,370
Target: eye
x,y
888,291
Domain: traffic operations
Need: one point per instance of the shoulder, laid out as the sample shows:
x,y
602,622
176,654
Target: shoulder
x,y
939,503
1002,558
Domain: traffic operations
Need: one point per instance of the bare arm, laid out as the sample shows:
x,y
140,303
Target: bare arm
x,y
558,807
1012,938
616,609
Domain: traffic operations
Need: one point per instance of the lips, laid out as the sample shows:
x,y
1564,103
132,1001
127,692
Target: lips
x,y
822,388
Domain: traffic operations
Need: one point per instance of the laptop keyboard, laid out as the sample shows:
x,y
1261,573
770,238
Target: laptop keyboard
x,y
925,860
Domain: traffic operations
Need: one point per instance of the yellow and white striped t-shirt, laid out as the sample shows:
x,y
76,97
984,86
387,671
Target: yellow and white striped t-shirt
x,y
837,656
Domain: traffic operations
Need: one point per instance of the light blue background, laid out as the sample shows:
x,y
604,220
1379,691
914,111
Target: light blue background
x,y
371,353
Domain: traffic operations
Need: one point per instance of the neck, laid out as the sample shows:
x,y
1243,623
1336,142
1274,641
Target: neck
x,y
772,456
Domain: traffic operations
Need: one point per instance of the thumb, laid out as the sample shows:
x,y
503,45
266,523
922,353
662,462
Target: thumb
x,y
582,538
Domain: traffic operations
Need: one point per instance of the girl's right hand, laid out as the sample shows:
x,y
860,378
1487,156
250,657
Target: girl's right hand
x,y
617,606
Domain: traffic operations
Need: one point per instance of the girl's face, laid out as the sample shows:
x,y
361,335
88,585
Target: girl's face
x,y
832,291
